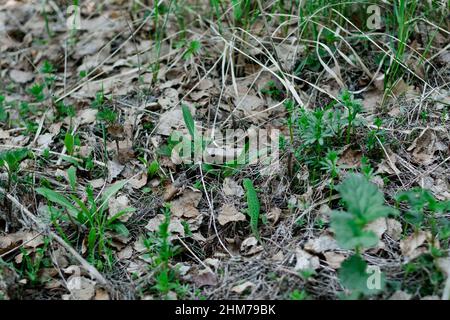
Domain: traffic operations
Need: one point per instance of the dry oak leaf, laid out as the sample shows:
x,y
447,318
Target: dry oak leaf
x,y
321,244
305,261
232,188
413,246
80,288
175,225
205,278
334,259
20,76
186,205
424,147
117,204
241,288
229,213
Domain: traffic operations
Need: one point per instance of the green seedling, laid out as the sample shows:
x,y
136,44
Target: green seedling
x,y
253,206
162,251
364,203
90,217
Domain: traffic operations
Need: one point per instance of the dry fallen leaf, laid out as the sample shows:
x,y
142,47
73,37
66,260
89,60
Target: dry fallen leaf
x,y
241,288
274,215
175,226
250,246
305,261
413,246
186,204
117,204
229,213
20,76
205,278
81,288
334,259
400,295
394,229
232,188
321,244
424,147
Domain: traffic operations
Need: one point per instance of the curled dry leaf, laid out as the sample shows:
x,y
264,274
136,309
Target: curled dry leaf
x,y
241,288
274,215
424,147
321,244
250,246
400,295
229,213
334,259
117,204
305,261
232,188
186,205
80,288
413,246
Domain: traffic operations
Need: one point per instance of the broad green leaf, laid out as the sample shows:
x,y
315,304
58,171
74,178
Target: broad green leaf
x,y
72,175
120,229
188,120
253,209
119,214
363,199
55,197
364,203
354,276
111,191
349,234
69,142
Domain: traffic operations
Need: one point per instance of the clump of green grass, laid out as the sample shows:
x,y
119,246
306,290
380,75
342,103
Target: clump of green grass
x,y
89,217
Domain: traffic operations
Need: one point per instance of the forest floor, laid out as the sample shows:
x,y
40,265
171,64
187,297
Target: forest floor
x,y
98,200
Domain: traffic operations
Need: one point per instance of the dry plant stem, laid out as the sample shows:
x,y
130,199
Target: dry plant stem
x,y
193,254
42,228
212,211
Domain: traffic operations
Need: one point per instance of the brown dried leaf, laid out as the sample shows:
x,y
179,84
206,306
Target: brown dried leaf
x,y
228,214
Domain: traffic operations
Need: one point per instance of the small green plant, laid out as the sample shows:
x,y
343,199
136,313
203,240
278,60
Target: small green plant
x,y
3,113
192,50
273,91
253,206
10,160
298,295
33,262
424,210
353,109
364,204
90,217
37,91
162,251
